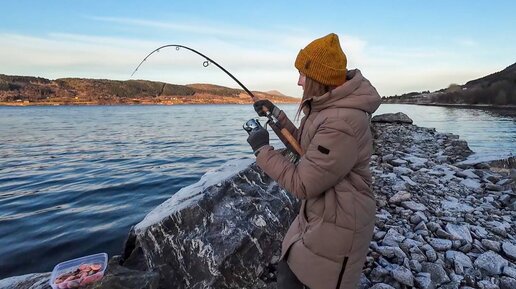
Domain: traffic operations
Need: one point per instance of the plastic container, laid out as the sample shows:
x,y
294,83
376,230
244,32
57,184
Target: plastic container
x,y
73,265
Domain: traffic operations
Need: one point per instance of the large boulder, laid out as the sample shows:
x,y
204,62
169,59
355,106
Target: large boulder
x,y
398,117
225,231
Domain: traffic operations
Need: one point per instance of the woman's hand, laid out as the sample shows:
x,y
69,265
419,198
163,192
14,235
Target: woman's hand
x,y
260,104
257,139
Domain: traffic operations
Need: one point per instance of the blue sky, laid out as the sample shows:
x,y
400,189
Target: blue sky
x,y
400,46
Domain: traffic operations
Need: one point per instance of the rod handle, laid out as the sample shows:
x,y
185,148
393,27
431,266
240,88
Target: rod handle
x,y
292,141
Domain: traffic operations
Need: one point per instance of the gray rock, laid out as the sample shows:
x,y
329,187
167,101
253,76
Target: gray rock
x,y
459,257
222,235
504,182
383,214
416,163
414,206
493,187
388,157
440,244
32,281
485,284
424,281
491,263
421,226
437,272
492,245
471,184
510,250
450,285
378,273
509,271
409,181
379,235
459,232
470,277
403,275
456,244
398,162
431,255
498,228
454,206
392,238
409,243
400,197
507,283
443,234
416,219
364,283
123,278
466,248
480,232
386,251
415,265
421,215
402,171
382,286
505,199
433,226
467,174
392,118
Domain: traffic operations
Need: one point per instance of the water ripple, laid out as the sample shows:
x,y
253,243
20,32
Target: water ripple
x,y
73,180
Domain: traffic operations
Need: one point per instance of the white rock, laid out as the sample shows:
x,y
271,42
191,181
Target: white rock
x,y
471,184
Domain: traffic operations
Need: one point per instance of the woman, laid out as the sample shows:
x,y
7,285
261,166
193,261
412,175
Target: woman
x,y
326,245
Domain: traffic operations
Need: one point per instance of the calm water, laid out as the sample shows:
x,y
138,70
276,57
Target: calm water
x,y
73,180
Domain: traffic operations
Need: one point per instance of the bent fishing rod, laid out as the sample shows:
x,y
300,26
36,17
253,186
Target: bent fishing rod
x,y
284,135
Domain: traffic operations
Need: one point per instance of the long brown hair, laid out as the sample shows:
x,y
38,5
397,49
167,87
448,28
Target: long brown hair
x,y
312,88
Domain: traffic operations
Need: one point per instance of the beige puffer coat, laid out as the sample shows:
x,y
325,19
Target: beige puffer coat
x,y
328,241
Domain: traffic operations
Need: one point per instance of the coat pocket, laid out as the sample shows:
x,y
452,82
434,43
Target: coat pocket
x,y
328,240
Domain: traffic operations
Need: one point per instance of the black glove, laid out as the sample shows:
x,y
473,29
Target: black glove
x,y
258,139
258,107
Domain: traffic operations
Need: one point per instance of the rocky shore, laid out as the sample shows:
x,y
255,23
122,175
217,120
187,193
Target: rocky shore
x,y
441,223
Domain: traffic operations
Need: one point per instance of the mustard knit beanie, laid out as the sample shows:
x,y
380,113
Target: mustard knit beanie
x,y
323,60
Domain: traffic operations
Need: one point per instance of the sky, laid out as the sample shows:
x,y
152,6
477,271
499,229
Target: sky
x,y
400,46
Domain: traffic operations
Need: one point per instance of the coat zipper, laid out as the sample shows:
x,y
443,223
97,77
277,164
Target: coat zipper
x,y
342,272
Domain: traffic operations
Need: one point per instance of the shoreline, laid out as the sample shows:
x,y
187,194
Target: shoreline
x,y
456,105
4,104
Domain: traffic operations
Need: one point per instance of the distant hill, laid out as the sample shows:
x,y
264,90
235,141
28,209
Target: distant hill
x,y
497,89
27,90
275,92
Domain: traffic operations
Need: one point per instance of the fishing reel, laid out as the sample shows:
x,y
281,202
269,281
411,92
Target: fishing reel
x,y
252,125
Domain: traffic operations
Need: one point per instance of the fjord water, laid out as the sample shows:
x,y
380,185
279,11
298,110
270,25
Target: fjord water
x,y
73,179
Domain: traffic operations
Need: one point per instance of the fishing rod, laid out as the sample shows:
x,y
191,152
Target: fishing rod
x,y
284,135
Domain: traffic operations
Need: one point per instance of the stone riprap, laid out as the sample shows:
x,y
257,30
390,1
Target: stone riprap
x,y
450,218
441,223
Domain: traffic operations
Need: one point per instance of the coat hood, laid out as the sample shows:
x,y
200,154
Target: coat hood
x,y
357,92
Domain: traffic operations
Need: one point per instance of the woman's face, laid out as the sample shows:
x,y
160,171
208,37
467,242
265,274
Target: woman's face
x,y
301,80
